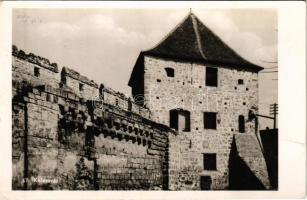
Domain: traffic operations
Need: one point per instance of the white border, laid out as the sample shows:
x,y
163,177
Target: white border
x,y
292,102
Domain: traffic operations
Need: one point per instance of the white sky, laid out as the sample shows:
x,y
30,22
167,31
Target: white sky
x,y
103,44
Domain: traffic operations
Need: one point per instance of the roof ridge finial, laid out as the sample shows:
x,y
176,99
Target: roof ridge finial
x,y
191,11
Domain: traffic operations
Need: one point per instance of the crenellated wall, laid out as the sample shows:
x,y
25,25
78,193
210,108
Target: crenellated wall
x,y
23,67
65,139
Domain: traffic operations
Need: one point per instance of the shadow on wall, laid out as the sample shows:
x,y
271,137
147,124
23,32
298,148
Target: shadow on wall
x,y
240,175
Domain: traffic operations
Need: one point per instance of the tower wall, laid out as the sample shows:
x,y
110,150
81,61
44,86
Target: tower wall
x,y
187,90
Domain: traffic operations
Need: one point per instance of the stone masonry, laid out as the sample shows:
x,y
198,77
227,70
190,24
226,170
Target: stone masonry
x,y
67,140
228,100
72,133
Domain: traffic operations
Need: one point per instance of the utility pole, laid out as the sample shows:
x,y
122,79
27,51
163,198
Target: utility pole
x,y
273,111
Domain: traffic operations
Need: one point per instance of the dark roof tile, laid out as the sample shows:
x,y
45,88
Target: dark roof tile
x,y
192,40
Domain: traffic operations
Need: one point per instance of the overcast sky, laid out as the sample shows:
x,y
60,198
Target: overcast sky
x,y
103,44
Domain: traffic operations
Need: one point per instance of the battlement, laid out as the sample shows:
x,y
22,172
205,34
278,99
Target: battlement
x,y
34,59
25,68
76,75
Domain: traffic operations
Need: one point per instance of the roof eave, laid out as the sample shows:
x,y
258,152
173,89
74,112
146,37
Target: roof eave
x,y
245,66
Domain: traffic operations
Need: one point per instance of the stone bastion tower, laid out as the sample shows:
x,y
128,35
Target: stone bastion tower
x,y
195,83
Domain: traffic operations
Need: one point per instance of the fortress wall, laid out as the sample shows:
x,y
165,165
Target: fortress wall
x,y
62,140
23,70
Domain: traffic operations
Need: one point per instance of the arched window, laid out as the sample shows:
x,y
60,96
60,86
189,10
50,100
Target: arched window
x,y
170,72
180,120
241,124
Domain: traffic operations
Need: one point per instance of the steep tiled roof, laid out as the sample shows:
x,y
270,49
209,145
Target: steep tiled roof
x,y
192,40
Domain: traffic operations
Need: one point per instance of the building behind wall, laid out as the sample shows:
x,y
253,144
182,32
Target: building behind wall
x,y
193,82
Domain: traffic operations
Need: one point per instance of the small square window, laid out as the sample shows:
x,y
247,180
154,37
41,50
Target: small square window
x,y
209,161
170,72
209,120
36,72
81,86
240,81
158,80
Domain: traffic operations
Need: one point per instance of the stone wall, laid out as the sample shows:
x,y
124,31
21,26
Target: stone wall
x,y
247,166
23,66
65,140
114,98
24,71
251,152
79,84
228,100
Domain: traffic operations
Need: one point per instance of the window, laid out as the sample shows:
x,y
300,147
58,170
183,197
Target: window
x,y
240,81
81,86
170,72
180,120
209,120
158,80
116,102
209,161
241,124
211,76
36,71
